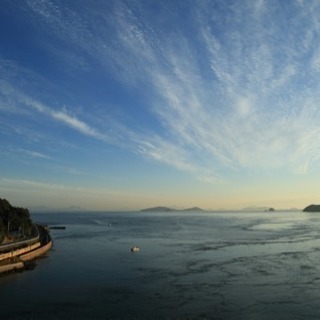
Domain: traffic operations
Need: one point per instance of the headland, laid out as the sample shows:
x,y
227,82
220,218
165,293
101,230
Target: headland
x,y
21,241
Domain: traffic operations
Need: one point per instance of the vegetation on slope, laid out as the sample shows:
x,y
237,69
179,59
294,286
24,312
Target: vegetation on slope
x,y
312,208
15,223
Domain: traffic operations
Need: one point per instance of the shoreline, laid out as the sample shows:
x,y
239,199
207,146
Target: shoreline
x,y
18,258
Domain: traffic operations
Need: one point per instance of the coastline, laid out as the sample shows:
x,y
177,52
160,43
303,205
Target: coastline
x,y
17,258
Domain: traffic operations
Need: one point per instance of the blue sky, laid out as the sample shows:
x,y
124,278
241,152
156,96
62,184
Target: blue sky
x,y
116,105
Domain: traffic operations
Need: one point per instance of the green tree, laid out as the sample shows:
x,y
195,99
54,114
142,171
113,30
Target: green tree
x,y
14,222
2,231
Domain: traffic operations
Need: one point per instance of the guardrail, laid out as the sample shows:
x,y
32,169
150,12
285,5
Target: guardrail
x,y
18,252
18,244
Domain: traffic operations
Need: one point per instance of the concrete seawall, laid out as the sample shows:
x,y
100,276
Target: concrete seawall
x,y
11,266
17,257
19,261
18,244
36,253
19,252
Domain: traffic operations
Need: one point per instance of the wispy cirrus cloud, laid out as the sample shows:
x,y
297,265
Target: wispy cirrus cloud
x,y
240,93
34,154
59,115
254,119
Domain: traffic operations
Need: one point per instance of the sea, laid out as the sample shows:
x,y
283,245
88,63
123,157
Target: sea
x,y
191,265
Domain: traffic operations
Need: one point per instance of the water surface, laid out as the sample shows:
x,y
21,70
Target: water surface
x,y
236,265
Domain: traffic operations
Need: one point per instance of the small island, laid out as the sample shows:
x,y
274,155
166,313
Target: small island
x,y
312,208
21,241
168,209
158,209
194,209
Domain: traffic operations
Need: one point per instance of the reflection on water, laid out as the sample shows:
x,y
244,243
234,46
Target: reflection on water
x,y
190,265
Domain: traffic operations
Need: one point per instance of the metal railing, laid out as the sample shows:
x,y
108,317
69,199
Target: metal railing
x,y
17,244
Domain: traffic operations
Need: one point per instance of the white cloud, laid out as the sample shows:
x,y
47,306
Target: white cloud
x,y
244,106
242,93
35,154
163,151
75,123
62,116
248,121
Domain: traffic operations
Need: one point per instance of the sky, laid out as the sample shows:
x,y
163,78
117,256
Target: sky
x,y
123,105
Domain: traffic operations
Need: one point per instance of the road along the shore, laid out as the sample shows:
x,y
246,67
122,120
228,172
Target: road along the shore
x,y
16,259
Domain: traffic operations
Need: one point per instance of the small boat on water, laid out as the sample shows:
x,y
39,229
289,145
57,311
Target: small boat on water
x,y
135,249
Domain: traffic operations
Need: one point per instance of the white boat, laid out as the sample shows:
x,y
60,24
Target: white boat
x,y
135,249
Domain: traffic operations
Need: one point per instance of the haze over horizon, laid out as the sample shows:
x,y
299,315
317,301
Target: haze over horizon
x,y
116,105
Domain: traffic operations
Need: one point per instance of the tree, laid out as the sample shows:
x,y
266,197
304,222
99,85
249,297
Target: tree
x,y
2,231
14,222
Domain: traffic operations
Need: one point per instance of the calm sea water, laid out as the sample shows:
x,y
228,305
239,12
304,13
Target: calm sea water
x,y
190,266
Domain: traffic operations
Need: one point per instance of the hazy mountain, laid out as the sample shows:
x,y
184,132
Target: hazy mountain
x,y
168,209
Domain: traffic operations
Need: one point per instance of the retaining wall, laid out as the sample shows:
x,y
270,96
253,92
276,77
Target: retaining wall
x,y
17,244
11,266
36,253
18,252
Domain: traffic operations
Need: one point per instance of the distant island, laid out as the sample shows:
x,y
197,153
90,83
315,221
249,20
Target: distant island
x,y
312,208
262,208
159,209
193,209
168,209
